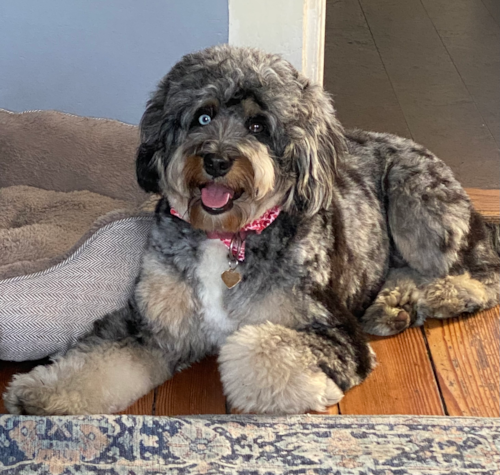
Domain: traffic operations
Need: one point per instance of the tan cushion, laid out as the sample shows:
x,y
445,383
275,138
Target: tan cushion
x,y
63,152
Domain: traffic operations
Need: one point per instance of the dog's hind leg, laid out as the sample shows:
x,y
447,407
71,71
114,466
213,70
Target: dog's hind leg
x,y
408,299
428,211
451,256
457,294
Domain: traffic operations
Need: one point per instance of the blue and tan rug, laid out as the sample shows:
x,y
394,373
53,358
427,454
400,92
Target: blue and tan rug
x,y
250,445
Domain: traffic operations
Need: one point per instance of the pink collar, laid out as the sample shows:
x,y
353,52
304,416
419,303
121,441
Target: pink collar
x,y
235,242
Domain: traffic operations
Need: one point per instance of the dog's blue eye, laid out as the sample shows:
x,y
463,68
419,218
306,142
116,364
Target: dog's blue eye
x,y
204,119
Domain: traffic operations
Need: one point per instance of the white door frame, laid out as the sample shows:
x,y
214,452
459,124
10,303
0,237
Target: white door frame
x,y
293,28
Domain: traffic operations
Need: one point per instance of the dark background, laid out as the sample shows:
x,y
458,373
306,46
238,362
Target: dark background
x,y
424,69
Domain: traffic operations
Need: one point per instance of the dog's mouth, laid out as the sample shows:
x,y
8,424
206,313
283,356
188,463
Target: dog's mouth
x,y
217,198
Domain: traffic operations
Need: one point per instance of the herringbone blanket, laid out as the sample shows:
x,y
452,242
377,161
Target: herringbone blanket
x,y
249,445
66,259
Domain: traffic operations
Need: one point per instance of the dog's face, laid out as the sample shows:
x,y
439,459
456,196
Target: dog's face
x,y
232,132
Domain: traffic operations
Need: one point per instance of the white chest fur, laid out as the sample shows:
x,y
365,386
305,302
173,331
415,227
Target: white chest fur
x,y
214,262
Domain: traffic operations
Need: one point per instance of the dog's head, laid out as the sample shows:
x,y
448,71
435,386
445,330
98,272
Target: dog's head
x,y
231,132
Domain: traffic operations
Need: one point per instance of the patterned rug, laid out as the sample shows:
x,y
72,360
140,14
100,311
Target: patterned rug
x,y
249,445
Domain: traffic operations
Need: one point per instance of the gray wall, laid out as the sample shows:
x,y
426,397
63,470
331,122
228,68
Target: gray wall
x,y
98,58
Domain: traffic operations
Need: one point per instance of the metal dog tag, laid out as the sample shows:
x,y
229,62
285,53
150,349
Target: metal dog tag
x,y
231,278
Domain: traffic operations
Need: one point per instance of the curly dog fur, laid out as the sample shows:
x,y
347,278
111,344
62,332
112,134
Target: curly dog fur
x,y
374,234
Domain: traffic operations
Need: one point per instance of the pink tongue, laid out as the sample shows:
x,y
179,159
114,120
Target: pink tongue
x,y
216,195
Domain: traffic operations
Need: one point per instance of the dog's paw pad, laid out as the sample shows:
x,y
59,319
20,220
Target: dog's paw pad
x,y
401,321
384,321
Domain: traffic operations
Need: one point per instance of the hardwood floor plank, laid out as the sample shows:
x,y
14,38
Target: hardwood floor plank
x,y
466,355
196,390
487,202
332,410
143,406
467,18
402,383
440,112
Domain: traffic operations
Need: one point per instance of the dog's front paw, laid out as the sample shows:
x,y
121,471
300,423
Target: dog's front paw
x,y
37,393
264,369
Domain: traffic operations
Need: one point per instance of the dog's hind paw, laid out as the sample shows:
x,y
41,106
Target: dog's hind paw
x,y
383,320
264,372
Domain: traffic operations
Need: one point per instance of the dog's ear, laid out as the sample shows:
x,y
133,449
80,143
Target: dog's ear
x,y
146,168
153,126
317,143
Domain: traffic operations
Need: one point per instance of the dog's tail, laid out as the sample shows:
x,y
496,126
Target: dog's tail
x,y
494,232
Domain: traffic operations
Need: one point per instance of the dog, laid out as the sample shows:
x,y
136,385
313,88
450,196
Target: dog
x,y
280,239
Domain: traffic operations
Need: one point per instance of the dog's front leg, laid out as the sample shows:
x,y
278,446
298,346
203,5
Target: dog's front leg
x,y
270,368
105,372
128,352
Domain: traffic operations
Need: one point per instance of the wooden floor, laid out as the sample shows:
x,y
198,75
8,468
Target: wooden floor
x,y
424,69
444,368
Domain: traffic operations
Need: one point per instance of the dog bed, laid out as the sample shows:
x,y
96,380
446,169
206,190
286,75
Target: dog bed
x,y
73,225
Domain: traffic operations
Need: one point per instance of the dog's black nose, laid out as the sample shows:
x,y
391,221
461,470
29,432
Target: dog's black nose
x,y
216,166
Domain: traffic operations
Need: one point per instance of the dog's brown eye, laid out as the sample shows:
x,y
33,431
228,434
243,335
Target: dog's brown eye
x,y
255,128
